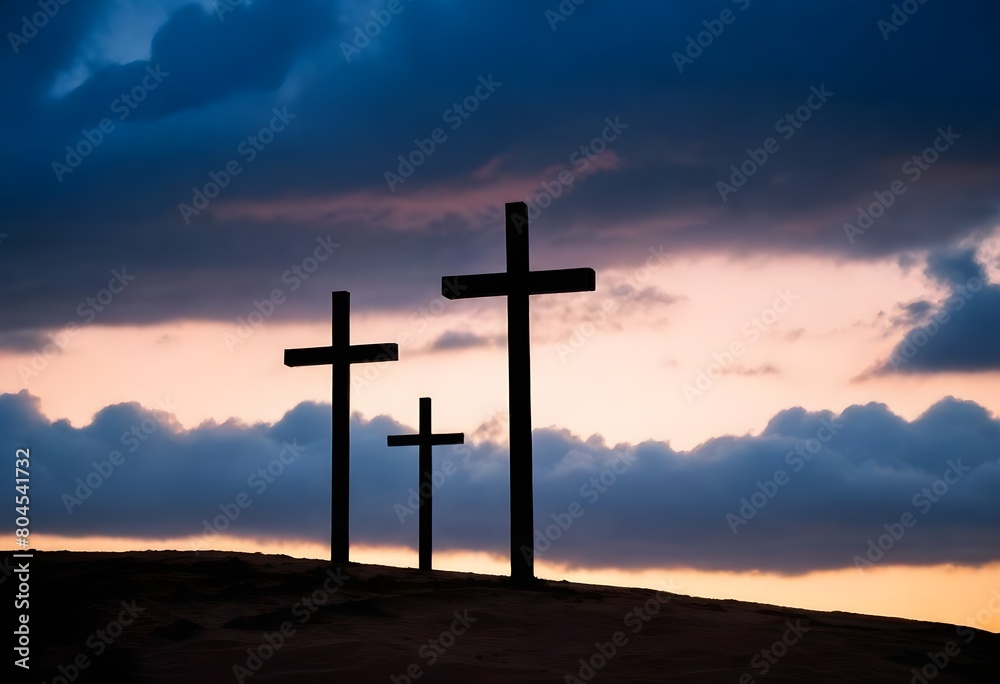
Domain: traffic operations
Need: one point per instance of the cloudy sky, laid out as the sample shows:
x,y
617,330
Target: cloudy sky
x,y
783,388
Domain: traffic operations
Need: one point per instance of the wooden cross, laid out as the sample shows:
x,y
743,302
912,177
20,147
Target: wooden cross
x,y
425,439
340,355
516,284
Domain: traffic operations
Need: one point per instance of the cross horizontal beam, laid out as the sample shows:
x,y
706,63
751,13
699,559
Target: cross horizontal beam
x,y
357,353
562,280
500,284
417,440
373,353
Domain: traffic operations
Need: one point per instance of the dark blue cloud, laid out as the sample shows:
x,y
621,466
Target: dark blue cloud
x,y
959,332
807,493
954,267
204,58
685,129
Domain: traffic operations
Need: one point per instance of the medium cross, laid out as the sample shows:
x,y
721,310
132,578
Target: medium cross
x,y
516,284
341,354
425,439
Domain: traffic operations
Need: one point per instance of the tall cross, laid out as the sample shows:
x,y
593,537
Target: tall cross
x,y
516,284
340,355
425,439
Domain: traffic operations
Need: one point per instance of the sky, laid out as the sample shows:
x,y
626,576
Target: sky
x,y
783,389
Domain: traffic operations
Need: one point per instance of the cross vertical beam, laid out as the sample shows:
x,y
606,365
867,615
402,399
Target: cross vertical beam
x,y
425,440
522,503
340,355
517,283
340,434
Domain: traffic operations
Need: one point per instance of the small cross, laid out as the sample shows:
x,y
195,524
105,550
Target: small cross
x,y
425,440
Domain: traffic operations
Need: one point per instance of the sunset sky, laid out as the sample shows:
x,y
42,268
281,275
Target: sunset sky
x,y
784,388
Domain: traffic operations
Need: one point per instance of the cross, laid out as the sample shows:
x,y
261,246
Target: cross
x,y
425,439
516,284
340,355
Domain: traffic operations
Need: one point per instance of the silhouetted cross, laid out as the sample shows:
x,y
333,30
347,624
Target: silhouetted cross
x,y
425,439
340,355
516,284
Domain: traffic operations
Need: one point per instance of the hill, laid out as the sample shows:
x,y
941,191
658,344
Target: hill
x,y
169,616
